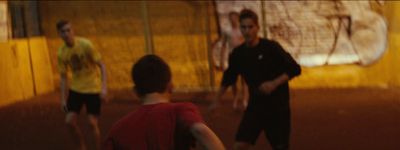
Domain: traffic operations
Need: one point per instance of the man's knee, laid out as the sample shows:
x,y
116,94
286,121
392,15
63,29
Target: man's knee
x,y
71,119
241,146
93,121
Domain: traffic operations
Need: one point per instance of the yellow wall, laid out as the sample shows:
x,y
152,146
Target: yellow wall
x,y
179,31
117,29
16,76
114,27
41,65
393,16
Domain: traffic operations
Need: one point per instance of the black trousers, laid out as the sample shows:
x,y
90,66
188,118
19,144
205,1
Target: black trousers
x,y
274,121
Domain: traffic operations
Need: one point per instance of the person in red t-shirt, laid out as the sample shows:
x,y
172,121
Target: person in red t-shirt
x,y
159,124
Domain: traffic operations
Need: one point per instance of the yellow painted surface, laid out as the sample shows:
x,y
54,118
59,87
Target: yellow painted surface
x,y
188,60
44,81
116,30
21,68
15,76
17,81
179,36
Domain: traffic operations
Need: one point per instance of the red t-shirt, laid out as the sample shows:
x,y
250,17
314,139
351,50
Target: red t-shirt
x,y
164,126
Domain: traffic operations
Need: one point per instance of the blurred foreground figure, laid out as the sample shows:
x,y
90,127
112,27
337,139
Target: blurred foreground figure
x,y
88,83
159,124
266,68
231,38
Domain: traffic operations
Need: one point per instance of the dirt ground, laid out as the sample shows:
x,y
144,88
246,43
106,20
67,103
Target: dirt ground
x,y
322,119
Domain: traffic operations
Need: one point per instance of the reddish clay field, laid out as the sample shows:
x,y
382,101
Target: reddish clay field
x,y
323,119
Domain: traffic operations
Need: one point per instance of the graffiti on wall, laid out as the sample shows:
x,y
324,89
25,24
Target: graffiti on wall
x,y
320,33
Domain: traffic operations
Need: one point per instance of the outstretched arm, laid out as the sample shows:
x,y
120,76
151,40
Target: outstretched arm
x,y
229,78
206,137
223,51
219,47
268,86
218,97
103,80
291,69
63,91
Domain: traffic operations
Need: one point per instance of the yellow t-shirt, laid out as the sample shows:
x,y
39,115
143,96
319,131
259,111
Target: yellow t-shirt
x,y
81,60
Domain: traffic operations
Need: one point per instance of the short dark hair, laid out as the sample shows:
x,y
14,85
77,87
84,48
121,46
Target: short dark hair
x,y
248,13
150,74
61,23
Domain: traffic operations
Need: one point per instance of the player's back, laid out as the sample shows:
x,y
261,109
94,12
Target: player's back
x,y
153,127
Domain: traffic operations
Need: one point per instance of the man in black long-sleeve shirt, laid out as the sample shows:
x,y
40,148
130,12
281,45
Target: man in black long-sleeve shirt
x,y
267,68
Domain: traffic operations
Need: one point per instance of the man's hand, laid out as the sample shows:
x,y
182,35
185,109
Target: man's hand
x,y
268,87
104,95
64,92
64,107
214,104
218,68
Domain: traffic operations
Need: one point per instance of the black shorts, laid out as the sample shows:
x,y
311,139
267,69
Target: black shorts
x,y
275,124
77,100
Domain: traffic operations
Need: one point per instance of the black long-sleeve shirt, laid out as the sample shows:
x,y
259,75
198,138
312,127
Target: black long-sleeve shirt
x,y
263,62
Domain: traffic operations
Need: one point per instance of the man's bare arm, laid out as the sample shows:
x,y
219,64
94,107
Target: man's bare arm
x,y
206,137
63,90
103,80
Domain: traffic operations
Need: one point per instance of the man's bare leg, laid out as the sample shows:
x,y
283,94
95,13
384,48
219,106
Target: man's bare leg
x,y
94,126
245,94
236,96
73,128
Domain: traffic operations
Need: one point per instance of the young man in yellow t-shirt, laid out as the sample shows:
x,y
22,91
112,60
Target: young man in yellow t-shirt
x,y
88,83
